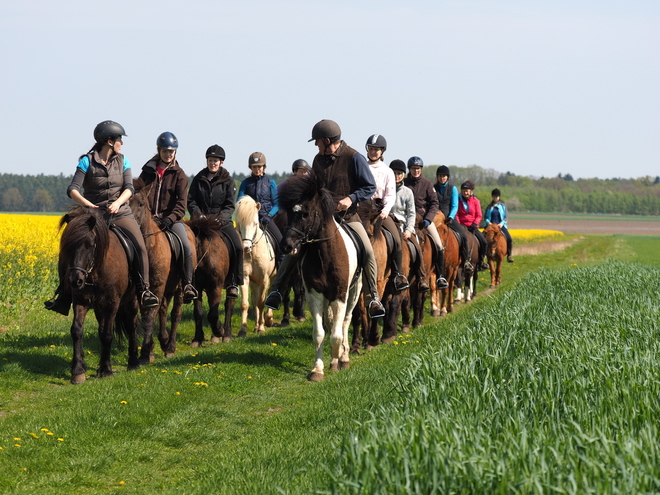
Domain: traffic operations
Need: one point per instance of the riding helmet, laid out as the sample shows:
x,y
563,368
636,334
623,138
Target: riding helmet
x,y
299,163
415,161
443,170
216,151
326,129
257,158
398,165
468,184
377,141
108,129
167,141
495,192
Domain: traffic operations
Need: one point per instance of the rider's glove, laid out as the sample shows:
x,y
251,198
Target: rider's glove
x,y
265,220
427,222
166,223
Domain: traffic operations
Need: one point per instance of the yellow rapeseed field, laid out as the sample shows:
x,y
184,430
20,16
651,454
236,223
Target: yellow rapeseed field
x,y
534,235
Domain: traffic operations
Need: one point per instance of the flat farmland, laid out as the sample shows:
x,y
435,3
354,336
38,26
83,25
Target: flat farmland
x,y
586,224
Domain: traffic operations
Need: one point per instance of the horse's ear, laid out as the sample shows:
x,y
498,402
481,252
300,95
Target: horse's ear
x,y
91,222
258,206
138,185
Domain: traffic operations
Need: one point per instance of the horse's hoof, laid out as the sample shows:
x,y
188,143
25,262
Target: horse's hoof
x,y
226,339
388,340
241,334
344,365
77,379
195,344
491,286
355,351
443,312
169,354
284,323
405,329
369,347
315,376
259,330
436,312
334,367
216,340
301,319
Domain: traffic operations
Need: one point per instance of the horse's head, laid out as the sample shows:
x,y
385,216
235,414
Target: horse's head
x,y
139,204
491,232
247,221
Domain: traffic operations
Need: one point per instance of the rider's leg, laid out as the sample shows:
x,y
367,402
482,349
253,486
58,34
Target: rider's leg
x,y
61,302
509,244
275,231
421,269
399,280
457,227
483,246
441,282
189,291
146,298
287,268
235,248
370,274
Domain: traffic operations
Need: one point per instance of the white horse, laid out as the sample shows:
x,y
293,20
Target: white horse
x,y
258,264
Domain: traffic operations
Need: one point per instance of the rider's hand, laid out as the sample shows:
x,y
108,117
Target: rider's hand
x,y
427,222
114,207
345,204
265,220
383,215
406,234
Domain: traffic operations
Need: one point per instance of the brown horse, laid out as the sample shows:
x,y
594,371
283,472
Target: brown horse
x,y
416,298
496,252
442,301
295,282
210,275
165,276
467,279
97,271
328,261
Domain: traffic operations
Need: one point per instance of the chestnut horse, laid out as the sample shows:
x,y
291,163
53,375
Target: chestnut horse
x,y
328,261
165,277
442,301
496,252
97,271
258,264
210,274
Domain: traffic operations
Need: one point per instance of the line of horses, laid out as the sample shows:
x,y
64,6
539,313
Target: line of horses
x,y
329,277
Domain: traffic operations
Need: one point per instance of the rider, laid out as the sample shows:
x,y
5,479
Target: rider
x,y
168,199
469,215
300,167
212,192
448,201
496,213
346,174
384,199
404,211
263,190
426,204
105,176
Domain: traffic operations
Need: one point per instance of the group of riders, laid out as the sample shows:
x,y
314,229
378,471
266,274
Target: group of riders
x,y
103,180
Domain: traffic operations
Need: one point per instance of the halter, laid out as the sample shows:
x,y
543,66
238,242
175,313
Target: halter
x,y
307,236
86,271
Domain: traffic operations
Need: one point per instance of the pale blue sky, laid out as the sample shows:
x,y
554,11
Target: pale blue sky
x,y
532,87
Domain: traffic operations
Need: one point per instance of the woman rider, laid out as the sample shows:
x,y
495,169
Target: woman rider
x,y
469,215
448,201
168,198
105,176
263,190
384,199
212,192
404,211
496,213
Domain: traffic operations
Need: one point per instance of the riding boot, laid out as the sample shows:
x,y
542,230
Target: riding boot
x,y
441,282
509,248
287,268
61,302
189,291
423,284
146,298
400,281
467,266
376,308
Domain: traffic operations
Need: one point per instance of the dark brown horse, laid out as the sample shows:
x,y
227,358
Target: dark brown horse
x,y
97,271
496,252
442,301
328,261
294,282
417,298
210,275
165,274
467,279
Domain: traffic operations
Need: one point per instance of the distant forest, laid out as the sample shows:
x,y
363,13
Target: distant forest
x,y
47,193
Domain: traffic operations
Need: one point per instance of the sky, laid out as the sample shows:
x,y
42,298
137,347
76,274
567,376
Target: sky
x,y
531,87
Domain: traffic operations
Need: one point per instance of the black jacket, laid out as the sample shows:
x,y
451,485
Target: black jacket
x,y
212,197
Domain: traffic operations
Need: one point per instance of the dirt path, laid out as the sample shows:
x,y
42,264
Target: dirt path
x,y
587,226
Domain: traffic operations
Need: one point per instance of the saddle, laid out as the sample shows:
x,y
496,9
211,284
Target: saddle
x,y
274,244
129,248
176,245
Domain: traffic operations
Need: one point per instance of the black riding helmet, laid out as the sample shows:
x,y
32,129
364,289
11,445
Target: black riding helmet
x,y
167,141
415,161
398,165
216,151
468,184
377,141
108,129
326,129
299,163
443,170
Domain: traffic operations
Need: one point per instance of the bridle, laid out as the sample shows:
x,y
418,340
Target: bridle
x,y
90,266
307,237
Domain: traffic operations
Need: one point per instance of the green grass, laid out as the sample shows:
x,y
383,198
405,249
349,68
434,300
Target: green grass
x,y
241,418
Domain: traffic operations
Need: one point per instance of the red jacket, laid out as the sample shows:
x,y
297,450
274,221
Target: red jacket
x,y
471,216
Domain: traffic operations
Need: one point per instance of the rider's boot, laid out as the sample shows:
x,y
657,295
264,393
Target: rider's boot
x,y
400,281
509,258
147,298
376,308
288,265
189,291
231,291
60,303
441,282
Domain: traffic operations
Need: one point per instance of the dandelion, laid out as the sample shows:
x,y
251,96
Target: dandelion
x,y
122,482
274,344
45,429
50,434
249,378
177,393
60,439
17,445
34,435
123,402
16,439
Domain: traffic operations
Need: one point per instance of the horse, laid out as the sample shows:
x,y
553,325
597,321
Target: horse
x,y
211,271
165,277
442,301
496,252
417,298
328,260
294,282
258,264
467,279
97,271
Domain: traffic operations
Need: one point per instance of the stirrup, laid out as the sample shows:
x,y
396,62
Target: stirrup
x,y
274,299
148,300
509,259
400,282
56,304
376,309
189,294
441,283
232,291
467,266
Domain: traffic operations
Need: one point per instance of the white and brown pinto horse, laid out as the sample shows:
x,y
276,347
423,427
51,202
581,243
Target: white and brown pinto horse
x,y
258,264
328,262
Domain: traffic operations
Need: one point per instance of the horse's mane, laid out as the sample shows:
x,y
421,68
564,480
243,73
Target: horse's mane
x,y
245,210
204,227
140,203
83,223
297,190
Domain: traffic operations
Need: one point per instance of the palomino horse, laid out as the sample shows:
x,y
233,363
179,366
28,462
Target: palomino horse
x,y
442,301
467,279
165,277
496,252
328,260
97,271
210,275
258,264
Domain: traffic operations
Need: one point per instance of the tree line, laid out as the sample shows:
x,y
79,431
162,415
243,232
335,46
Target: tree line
x,y
641,196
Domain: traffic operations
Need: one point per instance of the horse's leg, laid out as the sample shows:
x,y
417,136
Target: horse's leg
x,y
229,312
315,302
286,306
245,305
175,318
405,311
129,316
106,334
298,298
258,302
356,322
78,366
213,317
198,314
163,335
393,307
493,271
336,333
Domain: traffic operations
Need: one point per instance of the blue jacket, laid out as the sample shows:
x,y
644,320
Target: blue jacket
x,y
447,198
263,190
496,214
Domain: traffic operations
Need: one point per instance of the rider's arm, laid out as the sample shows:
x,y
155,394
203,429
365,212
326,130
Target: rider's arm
x,y
477,210
193,209
366,185
274,199
411,212
489,212
389,192
73,191
454,202
432,204
229,205
241,190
